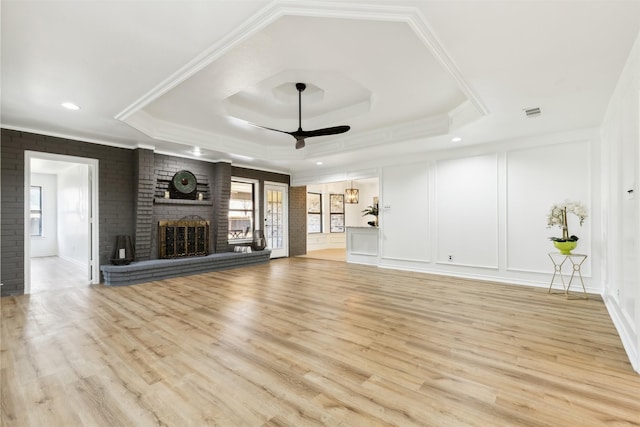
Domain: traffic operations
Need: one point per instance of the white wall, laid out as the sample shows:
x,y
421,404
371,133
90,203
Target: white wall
x,y
73,214
487,208
405,214
536,179
621,214
466,195
47,244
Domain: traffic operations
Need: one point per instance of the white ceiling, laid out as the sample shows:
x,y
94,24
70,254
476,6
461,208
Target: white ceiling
x,y
405,75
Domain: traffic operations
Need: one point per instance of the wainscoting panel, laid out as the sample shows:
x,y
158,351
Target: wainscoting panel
x,y
538,178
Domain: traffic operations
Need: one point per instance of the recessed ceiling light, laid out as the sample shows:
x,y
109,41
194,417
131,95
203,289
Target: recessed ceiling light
x,y
456,139
319,163
196,151
70,106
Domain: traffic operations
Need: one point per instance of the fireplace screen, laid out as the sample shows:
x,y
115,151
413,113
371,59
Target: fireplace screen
x,y
183,238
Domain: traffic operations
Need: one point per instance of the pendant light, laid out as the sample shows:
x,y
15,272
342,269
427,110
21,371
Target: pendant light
x,y
351,195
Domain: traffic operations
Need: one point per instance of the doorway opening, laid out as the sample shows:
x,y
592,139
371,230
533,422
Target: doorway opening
x,y
61,222
327,223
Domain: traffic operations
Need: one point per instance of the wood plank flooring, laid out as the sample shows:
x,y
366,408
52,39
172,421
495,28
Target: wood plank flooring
x,y
305,342
53,273
328,254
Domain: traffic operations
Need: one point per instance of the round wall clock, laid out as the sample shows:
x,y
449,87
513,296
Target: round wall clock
x,y
184,182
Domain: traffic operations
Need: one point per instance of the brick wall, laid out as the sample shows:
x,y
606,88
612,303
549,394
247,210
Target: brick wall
x,y
297,221
165,168
221,194
144,177
129,183
259,175
116,202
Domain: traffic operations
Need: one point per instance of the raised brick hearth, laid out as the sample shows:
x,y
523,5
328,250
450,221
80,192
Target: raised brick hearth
x,y
158,269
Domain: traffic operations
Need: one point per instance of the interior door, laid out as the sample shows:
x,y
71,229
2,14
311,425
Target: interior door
x,y
276,219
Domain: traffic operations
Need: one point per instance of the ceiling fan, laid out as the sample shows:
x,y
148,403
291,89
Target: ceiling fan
x,y
300,134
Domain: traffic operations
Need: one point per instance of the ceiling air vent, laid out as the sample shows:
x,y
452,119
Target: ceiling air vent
x,y
532,112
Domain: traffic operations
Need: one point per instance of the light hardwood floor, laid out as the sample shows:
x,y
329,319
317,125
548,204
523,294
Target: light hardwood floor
x,y
54,273
328,254
303,342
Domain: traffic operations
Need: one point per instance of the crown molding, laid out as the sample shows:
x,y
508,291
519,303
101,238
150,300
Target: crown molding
x,y
70,136
409,15
189,136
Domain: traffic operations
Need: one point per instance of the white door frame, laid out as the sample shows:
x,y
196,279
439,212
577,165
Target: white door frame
x,y
94,261
268,185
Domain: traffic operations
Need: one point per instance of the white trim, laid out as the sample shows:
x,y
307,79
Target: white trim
x,y
78,138
285,201
549,272
624,330
93,165
168,131
433,189
26,232
279,8
330,177
257,198
461,264
253,25
416,260
135,116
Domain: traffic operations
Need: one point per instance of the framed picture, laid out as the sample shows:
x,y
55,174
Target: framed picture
x,y
314,223
337,223
314,203
314,213
337,203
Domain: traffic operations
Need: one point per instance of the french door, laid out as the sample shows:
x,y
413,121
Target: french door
x,y
276,219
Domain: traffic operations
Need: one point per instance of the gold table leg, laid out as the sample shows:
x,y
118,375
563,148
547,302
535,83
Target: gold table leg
x,y
576,262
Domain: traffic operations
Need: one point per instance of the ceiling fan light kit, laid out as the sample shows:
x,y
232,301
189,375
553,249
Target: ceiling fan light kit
x,y
300,135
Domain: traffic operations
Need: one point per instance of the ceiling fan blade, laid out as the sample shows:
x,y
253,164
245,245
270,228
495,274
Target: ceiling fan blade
x,y
267,128
322,132
300,134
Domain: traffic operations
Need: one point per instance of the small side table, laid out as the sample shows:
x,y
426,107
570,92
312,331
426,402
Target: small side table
x,y
576,261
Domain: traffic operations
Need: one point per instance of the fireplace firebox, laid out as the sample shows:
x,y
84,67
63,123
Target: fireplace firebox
x,y
183,238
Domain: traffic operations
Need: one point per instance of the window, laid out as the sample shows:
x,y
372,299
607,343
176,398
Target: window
x,y
242,210
314,213
35,218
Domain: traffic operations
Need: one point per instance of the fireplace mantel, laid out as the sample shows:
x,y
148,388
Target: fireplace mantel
x,y
163,201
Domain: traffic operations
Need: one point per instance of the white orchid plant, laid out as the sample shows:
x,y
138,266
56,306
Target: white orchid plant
x,y
558,217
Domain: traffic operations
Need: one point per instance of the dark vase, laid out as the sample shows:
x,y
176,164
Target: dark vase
x,y
123,252
259,242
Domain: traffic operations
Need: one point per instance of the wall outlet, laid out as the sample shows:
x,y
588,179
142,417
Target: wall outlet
x,y
451,258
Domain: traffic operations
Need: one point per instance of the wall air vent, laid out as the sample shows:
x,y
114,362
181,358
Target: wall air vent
x,y
532,112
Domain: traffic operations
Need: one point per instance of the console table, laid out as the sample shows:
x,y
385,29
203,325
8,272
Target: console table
x,y
575,261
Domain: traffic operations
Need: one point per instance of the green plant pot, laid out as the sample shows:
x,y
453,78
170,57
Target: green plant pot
x,y
565,248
